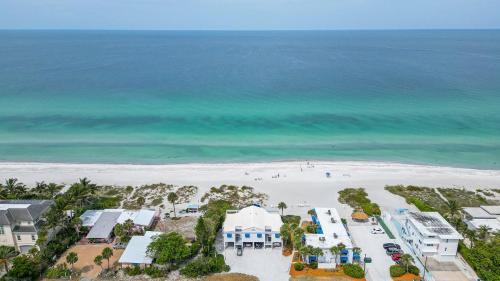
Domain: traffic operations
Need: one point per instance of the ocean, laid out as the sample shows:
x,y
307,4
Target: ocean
x,y
153,97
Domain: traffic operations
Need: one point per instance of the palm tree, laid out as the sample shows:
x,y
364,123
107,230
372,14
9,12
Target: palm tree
x,y
53,189
335,251
406,261
483,232
72,258
6,253
471,235
172,198
453,212
107,253
98,261
282,206
357,250
285,234
40,187
14,187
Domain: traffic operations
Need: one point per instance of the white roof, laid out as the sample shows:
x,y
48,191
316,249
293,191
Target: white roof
x,y
90,217
334,231
478,213
252,217
13,206
143,217
137,249
433,224
494,210
494,224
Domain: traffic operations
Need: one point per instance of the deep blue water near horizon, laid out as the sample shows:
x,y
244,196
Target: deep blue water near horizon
x,y
151,97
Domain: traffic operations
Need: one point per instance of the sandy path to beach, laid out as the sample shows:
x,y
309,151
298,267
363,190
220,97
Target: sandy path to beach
x,y
299,184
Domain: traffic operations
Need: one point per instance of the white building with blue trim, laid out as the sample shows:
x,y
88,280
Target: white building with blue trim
x,y
330,232
252,226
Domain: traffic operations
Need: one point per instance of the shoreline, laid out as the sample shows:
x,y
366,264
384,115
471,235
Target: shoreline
x,y
295,183
373,163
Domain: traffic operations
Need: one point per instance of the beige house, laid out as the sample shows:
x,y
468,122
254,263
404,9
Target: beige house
x,y
20,221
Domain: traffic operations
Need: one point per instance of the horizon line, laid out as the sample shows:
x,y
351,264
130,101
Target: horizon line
x,y
251,30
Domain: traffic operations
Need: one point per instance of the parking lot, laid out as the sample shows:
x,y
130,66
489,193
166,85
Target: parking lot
x,y
266,264
372,246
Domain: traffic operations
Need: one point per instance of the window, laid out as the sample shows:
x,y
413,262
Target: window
x,y
18,237
33,237
2,231
229,235
277,235
247,235
259,235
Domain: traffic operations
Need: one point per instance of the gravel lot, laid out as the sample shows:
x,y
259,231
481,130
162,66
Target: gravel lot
x,y
266,264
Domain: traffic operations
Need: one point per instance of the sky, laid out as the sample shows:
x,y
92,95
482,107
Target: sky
x,y
249,14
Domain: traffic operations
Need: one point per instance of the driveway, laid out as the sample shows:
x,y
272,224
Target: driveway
x,y
371,245
266,264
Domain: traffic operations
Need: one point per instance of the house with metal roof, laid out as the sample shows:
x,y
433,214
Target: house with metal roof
x,y
136,253
102,222
489,216
20,222
252,226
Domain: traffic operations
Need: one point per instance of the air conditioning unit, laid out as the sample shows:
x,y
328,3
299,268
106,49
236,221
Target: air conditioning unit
x,y
333,220
335,235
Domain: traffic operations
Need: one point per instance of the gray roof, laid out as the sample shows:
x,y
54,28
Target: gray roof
x,y
32,213
103,226
24,229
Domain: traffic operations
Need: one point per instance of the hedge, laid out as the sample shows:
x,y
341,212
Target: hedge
x,y
397,270
354,270
298,266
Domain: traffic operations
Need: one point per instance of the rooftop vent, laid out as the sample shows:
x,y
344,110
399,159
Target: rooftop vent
x,y
321,238
335,235
333,220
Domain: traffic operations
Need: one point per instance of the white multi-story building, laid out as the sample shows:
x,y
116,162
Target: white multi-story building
x,y
430,235
330,232
20,222
252,227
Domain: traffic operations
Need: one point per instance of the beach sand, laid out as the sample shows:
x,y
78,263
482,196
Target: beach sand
x,y
301,185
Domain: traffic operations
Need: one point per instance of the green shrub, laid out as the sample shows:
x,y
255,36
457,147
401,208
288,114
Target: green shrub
x,y
155,272
132,271
354,270
58,272
313,265
421,205
298,266
413,270
291,219
310,228
204,266
397,270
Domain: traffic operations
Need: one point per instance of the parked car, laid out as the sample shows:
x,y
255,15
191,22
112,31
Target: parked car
x,y
391,251
377,230
396,257
119,245
391,245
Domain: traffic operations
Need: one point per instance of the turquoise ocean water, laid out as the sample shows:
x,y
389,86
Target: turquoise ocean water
x,y
429,97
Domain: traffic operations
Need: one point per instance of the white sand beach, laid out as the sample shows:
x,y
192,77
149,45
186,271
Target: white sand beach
x,y
300,185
